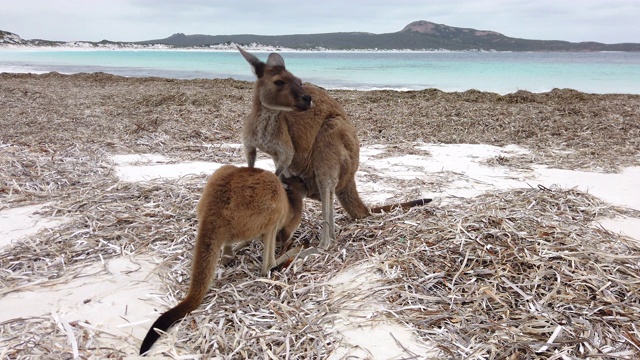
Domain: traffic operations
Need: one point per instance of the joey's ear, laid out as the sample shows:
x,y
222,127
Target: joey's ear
x,y
275,60
256,64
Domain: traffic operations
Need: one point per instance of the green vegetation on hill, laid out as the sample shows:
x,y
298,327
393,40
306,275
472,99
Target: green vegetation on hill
x,y
419,35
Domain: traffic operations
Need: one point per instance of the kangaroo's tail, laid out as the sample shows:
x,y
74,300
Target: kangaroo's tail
x,y
164,322
404,205
205,260
351,202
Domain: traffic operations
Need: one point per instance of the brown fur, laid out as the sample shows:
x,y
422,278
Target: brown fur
x,y
315,141
237,206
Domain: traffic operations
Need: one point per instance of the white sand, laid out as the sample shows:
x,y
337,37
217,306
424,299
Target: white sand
x,y
114,296
104,296
366,331
19,222
626,226
619,189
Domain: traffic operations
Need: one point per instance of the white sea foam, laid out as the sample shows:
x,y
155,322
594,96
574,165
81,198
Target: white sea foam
x,y
20,69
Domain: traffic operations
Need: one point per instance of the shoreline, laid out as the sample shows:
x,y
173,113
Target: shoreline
x,y
86,45
195,75
82,45
502,73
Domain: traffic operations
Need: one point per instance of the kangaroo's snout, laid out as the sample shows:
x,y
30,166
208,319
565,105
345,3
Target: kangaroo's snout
x,y
304,102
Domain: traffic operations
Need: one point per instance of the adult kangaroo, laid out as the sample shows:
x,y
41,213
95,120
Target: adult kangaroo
x,y
309,135
237,206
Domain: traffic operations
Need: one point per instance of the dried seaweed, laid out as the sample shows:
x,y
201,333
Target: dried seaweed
x,y
523,273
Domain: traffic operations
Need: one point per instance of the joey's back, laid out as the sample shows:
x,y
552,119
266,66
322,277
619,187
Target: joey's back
x,y
229,201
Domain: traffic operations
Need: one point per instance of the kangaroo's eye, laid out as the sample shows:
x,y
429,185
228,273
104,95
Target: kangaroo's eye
x,y
279,82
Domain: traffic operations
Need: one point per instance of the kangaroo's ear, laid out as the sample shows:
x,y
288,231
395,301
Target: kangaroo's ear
x,y
256,64
275,60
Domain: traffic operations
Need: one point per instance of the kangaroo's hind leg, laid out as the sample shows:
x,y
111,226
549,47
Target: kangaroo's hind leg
x,y
269,250
328,234
230,251
250,153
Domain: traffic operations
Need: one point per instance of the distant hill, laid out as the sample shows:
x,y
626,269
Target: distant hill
x,y
9,38
419,35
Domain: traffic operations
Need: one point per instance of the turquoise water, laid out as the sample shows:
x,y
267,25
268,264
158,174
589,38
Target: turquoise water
x,y
502,72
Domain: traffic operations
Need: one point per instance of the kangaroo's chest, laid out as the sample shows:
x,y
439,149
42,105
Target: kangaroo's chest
x,y
269,126
270,132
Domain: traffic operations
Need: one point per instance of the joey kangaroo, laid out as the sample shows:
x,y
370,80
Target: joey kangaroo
x,y
237,206
308,134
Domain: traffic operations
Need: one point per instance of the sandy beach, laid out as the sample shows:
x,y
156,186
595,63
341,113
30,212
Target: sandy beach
x,y
530,249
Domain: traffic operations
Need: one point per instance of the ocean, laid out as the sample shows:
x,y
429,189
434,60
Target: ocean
x,y
500,72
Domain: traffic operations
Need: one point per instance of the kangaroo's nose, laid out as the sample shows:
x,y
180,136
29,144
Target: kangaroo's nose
x,y
303,103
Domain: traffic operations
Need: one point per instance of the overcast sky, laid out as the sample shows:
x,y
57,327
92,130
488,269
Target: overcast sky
x,y
607,21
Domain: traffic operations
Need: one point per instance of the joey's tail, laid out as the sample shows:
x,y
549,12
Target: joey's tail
x,y
404,205
205,260
164,322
